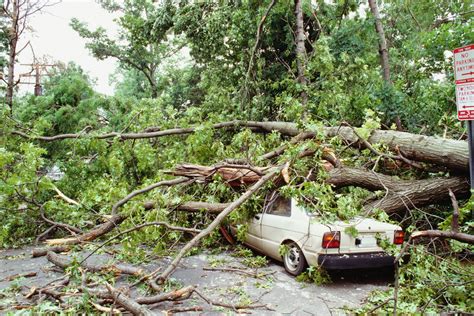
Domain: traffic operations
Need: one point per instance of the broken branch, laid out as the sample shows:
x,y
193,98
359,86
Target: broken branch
x,y
64,262
116,218
167,225
214,224
128,303
462,237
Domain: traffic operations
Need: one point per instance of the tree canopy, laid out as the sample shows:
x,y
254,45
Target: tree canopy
x,y
294,95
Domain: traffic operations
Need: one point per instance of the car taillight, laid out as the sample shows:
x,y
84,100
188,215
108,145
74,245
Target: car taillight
x,y
331,240
398,237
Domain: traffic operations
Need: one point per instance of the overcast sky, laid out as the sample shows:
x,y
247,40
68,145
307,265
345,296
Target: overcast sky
x,y
53,37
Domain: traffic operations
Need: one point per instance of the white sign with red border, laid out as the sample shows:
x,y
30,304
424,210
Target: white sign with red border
x,y
464,74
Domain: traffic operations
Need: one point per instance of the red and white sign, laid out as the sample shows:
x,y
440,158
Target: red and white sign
x,y
464,74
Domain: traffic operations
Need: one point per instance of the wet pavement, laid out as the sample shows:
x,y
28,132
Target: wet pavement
x,y
280,291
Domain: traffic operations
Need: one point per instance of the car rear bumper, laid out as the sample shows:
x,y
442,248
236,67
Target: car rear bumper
x,y
355,261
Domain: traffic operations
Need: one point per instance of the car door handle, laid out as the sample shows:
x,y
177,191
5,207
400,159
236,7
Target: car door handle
x,y
257,216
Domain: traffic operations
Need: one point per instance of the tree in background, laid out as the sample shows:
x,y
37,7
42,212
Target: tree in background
x,y
143,39
66,105
15,16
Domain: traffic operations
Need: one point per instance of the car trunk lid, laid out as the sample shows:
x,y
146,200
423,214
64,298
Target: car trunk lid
x,y
362,234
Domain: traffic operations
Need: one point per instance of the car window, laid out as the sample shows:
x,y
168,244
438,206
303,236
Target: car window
x,y
279,206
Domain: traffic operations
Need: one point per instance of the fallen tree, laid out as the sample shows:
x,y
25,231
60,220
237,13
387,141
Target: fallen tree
x,y
398,195
452,154
401,195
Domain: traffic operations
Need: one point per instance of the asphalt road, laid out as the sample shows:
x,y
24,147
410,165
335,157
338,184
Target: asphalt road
x,y
280,291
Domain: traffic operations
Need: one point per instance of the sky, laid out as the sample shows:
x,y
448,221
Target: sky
x,y
52,37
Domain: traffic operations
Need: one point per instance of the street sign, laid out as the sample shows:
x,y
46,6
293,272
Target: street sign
x,y
464,75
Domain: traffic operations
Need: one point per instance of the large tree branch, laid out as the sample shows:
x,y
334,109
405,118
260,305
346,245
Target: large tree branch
x,y
462,237
199,206
100,230
215,223
452,154
401,195
130,196
64,262
116,218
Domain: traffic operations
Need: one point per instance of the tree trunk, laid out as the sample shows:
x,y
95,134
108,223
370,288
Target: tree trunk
x,y
383,49
153,86
453,154
401,195
301,51
449,153
13,41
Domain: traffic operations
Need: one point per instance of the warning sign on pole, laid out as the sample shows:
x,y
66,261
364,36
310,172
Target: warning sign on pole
x,y
464,74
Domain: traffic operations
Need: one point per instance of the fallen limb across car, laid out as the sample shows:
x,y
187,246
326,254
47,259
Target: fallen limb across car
x,y
399,195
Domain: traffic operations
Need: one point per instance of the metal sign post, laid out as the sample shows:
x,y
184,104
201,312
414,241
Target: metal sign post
x,y
470,140
464,74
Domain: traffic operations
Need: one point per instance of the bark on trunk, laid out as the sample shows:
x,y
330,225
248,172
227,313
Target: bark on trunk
x,y
401,195
453,154
153,86
450,153
301,50
383,49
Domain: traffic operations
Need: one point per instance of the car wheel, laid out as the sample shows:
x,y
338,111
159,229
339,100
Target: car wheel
x,y
294,260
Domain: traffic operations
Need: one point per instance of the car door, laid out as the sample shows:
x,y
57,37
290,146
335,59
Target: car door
x,y
254,232
275,225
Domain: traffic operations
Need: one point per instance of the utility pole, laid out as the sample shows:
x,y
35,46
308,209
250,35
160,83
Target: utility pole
x,y
38,69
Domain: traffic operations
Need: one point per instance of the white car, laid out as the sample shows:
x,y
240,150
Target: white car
x,y
307,241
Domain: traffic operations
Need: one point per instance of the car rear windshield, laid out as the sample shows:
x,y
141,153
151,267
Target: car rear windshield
x,y
279,206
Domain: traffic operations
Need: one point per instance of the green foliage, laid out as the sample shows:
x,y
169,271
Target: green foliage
x,y
316,275
68,105
255,261
142,40
217,84
283,249
430,284
248,258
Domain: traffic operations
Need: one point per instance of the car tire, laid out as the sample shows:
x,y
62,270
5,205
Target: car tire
x,y
293,259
